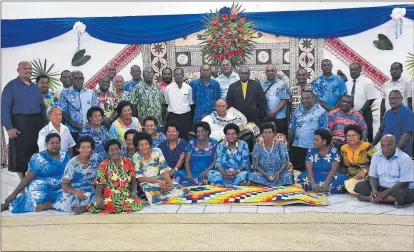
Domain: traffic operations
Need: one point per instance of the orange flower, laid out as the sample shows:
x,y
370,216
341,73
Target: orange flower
x,y
224,16
215,20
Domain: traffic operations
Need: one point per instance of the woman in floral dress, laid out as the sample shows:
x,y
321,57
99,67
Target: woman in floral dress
x,y
124,122
271,160
232,164
43,181
116,185
152,171
200,157
151,127
322,163
77,182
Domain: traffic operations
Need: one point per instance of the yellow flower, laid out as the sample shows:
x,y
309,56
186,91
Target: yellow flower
x,y
129,200
114,177
107,200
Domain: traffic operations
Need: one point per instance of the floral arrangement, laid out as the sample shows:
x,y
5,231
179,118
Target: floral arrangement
x,y
228,35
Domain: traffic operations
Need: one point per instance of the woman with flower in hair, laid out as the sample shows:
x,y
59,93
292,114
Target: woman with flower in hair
x,y
116,185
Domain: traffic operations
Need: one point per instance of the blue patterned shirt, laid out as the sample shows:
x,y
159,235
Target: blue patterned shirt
x,y
100,138
278,92
329,89
233,158
129,85
305,122
51,99
204,97
76,104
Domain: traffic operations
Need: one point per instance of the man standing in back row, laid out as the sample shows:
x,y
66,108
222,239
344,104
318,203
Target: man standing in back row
x,y
23,115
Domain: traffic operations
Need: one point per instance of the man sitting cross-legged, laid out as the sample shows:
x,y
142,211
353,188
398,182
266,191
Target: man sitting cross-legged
x,y
390,176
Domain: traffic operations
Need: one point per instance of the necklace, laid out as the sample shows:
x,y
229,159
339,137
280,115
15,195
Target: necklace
x,y
232,152
264,147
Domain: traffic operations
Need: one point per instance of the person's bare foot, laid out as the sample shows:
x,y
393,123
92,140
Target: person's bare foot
x,y
397,205
43,207
79,210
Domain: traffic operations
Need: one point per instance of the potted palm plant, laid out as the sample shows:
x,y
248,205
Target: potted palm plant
x,y
40,68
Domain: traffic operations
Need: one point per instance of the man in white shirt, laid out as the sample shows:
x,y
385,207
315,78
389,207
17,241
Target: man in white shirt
x,y
221,117
397,82
365,94
55,126
179,98
226,77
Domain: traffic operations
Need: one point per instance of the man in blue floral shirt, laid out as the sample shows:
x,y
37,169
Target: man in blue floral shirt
x,y
206,92
50,98
136,78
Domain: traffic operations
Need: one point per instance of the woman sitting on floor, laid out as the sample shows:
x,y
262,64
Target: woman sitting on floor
x,y
125,122
116,185
322,163
271,160
151,126
128,150
77,182
152,171
43,179
232,164
173,148
200,157
356,156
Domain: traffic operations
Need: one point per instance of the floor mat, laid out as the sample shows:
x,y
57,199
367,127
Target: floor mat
x,y
209,232
248,195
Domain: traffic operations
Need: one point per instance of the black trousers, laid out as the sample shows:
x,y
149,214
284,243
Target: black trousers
x,y
184,120
22,148
403,196
281,126
75,136
297,156
369,120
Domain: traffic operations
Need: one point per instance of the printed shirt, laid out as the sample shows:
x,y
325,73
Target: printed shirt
x,y
154,166
118,129
305,122
329,89
278,92
399,168
126,96
148,100
76,104
225,82
130,85
337,120
107,102
204,97
402,84
296,94
51,99
100,138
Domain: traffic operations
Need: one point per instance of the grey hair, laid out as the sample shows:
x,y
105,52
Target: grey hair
x,y
51,108
392,137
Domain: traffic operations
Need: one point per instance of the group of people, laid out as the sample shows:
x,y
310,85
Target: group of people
x,y
78,149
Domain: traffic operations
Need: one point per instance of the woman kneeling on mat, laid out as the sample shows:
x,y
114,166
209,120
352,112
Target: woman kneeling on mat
x,y
232,164
116,185
78,178
271,160
43,180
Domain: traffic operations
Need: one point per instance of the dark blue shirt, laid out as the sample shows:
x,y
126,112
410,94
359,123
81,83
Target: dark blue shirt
x,y
397,123
172,156
19,98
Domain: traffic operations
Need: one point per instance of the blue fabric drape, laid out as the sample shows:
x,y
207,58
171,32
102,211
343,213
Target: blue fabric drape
x,y
159,28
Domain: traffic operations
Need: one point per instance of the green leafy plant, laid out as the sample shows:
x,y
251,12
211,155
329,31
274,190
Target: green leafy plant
x,y
41,69
228,35
410,63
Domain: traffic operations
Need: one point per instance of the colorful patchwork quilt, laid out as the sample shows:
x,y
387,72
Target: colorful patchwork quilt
x,y
247,195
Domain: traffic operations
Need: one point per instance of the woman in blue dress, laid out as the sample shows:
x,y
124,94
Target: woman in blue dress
x,y
232,164
151,127
43,181
78,178
200,157
322,163
271,160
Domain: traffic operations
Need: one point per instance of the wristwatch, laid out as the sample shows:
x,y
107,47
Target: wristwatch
x,y
175,168
365,170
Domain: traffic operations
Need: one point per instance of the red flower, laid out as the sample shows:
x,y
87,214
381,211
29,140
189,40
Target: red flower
x,y
137,201
116,183
124,184
126,207
213,27
241,29
239,51
107,192
212,54
221,41
224,16
212,43
233,17
234,12
215,20
230,55
242,20
110,207
233,45
220,57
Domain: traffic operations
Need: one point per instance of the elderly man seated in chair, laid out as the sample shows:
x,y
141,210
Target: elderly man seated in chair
x,y
222,116
391,176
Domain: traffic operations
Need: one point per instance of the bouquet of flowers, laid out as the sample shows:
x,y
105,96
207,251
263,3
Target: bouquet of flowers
x,y
228,35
